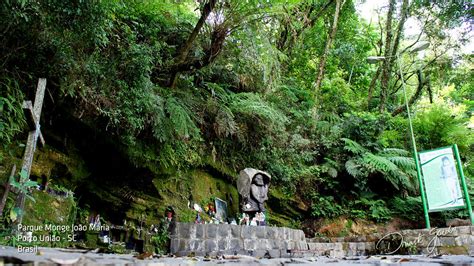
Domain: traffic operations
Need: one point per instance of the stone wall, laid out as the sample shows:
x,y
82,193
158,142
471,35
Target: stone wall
x,y
453,240
341,249
260,241
226,239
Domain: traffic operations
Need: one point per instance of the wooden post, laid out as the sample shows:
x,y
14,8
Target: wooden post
x,y
7,190
33,114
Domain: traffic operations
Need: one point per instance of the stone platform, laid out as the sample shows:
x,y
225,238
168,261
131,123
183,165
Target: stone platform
x,y
225,239
279,242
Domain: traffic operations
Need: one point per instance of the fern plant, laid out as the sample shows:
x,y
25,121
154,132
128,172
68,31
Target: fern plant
x,y
392,164
11,114
24,185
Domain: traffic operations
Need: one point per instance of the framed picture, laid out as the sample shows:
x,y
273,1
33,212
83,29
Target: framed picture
x,y
221,210
441,179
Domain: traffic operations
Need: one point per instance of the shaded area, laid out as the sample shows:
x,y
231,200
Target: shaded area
x,y
108,182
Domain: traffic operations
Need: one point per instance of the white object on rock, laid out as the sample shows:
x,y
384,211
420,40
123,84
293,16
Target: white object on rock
x,y
197,207
254,222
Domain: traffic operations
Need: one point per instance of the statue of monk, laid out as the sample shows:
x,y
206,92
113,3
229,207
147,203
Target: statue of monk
x,y
253,190
258,193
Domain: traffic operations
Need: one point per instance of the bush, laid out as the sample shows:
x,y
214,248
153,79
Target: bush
x,y
437,126
375,210
410,208
12,120
325,206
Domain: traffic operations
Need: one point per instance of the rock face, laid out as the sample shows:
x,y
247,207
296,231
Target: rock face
x,y
57,210
458,222
50,209
225,239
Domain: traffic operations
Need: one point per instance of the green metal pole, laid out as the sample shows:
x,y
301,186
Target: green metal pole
x,y
415,153
463,182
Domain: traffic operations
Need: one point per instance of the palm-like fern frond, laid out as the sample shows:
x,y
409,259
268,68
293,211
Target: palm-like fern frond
x,y
394,152
381,164
407,175
353,146
392,164
251,105
224,122
405,163
175,120
353,168
406,181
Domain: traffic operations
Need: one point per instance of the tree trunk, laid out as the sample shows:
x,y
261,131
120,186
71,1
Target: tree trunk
x,y
283,37
387,64
218,37
372,86
399,33
416,96
322,62
7,190
184,51
286,43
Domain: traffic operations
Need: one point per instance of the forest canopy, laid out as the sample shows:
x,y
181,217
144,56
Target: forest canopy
x,y
283,86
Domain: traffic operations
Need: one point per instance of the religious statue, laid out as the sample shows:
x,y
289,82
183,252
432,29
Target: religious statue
x,y
95,222
253,188
198,219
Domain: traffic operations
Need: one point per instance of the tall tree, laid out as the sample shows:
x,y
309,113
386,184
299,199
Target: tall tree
x,y
422,82
331,37
372,87
387,63
403,17
184,51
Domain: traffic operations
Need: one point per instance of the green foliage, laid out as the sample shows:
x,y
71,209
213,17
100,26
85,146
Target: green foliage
x,y
409,208
12,119
160,239
325,206
250,103
365,127
254,108
336,96
391,164
444,124
15,213
437,126
58,188
24,185
188,216
296,224
118,248
371,209
8,238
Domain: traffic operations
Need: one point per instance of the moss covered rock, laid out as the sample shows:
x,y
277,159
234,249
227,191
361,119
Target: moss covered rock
x,y
61,168
283,210
197,186
53,210
49,209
